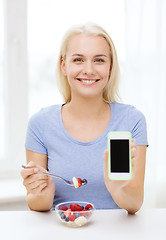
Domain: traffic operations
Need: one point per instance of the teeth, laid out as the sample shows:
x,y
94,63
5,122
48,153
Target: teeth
x,y
88,81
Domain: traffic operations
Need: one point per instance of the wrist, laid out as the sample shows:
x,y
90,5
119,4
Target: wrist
x,y
40,202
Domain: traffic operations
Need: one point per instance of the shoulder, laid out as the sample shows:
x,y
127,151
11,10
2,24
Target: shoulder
x,y
127,109
129,118
44,114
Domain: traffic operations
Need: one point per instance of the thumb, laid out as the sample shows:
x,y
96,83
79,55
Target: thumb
x,y
31,164
36,166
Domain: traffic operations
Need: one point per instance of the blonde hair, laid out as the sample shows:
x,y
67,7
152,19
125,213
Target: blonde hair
x,y
111,92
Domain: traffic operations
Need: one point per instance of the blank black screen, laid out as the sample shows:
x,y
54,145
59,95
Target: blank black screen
x,y
119,155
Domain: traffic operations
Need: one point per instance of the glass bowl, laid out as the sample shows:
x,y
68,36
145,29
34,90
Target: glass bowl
x,y
75,213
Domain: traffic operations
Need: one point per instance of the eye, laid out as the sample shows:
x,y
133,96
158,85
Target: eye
x,y
99,60
79,60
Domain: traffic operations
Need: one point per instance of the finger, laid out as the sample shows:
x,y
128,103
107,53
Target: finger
x,y
28,172
105,158
34,178
39,189
32,164
133,152
133,142
106,164
36,184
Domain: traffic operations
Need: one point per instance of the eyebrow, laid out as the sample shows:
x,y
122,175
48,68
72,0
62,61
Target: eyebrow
x,y
81,55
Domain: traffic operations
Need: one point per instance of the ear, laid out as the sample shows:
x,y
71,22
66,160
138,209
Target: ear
x,y
63,66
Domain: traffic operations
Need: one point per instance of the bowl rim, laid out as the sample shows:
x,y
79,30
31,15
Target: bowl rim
x,y
75,202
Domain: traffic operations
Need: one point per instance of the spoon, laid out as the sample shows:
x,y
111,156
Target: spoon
x,y
84,181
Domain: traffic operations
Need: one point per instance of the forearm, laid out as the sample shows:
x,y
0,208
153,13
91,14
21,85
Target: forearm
x,y
129,196
40,202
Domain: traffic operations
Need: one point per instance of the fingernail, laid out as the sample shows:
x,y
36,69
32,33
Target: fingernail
x,y
36,170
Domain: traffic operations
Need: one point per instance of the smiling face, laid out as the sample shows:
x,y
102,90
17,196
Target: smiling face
x,y
87,65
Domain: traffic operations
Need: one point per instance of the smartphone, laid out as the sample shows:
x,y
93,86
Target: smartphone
x,y
119,156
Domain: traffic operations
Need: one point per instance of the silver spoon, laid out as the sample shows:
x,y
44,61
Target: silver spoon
x,y
84,181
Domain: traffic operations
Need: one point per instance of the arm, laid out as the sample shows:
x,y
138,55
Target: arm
x,y
129,195
40,188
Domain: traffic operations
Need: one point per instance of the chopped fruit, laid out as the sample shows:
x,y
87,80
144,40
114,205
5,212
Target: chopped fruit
x,y
75,182
72,217
63,215
75,207
64,208
71,207
84,181
75,214
82,213
80,221
79,208
79,182
67,213
88,206
88,214
67,219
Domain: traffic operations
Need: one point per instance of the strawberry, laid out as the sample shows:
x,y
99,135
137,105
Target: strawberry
x,y
78,207
64,208
71,207
67,213
79,182
75,207
72,217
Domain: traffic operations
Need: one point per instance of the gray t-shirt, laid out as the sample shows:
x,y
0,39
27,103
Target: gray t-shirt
x,y
68,157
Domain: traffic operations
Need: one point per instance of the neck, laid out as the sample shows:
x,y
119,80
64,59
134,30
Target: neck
x,y
87,108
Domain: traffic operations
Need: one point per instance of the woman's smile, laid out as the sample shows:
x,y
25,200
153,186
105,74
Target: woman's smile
x,y
88,82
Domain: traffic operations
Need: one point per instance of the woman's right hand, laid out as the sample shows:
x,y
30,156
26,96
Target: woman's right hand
x,y
36,183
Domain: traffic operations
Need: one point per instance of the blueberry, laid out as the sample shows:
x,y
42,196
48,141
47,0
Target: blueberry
x,y
77,215
84,181
62,215
67,219
82,207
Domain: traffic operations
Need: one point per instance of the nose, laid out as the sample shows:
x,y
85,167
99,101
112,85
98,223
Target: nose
x,y
88,68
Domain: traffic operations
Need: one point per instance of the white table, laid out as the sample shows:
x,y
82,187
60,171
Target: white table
x,y
109,224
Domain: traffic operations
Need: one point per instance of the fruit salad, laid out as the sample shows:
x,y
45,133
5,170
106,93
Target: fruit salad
x,y
78,182
74,214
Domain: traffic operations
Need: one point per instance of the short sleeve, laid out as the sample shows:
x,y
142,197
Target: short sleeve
x,y
35,134
137,126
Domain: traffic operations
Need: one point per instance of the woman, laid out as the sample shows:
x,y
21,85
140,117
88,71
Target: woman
x,y
71,139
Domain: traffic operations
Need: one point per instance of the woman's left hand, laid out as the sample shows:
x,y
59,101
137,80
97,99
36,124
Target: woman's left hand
x,y
128,194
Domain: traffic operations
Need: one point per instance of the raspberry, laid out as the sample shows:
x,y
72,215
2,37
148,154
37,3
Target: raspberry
x,y
64,208
88,206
